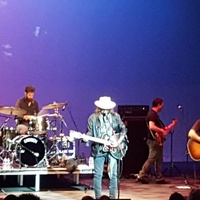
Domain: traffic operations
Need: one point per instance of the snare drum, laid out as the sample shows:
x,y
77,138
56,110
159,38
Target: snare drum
x,y
30,151
39,125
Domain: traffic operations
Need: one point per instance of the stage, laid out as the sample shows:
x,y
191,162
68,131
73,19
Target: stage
x,y
56,182
129,188
37,172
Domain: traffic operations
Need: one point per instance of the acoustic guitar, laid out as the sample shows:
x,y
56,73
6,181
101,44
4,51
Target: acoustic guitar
x,y
193,149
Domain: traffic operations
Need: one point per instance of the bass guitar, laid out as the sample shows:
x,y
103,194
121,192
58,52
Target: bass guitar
x,y
117,152
193,148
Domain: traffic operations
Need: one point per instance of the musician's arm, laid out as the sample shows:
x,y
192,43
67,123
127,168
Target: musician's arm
x,y
155,128
193,132
171,125
123,130
193,135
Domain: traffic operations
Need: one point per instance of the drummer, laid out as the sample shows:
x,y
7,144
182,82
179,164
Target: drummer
x,y
30,105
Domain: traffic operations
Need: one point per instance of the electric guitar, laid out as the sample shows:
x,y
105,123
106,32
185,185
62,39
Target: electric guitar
x,y
159,137
117,152
193,149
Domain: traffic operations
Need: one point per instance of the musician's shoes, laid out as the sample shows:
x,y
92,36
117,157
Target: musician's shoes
x,y
142,180
162,181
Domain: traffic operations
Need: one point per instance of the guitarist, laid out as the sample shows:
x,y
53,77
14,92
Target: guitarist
x,y
194,141
105,123
155,149
193,132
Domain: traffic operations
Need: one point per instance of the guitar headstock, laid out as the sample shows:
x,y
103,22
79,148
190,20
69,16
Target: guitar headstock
x,y
75,134
175,121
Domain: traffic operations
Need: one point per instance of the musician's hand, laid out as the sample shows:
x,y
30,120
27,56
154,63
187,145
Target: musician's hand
x,y
114,143
165,132
26,117
84,138
70,139
29,117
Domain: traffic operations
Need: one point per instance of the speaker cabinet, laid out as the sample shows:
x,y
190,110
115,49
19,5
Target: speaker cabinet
x,y
137,152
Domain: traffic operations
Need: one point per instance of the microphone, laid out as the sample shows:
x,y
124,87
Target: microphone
x,y
180,107
65,105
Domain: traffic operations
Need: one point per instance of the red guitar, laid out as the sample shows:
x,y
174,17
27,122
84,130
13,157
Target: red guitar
x,y
159,137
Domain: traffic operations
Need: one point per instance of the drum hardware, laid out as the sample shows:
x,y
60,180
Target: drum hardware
x,y
8,133
6,158
54,154
58,148
4,123
5,151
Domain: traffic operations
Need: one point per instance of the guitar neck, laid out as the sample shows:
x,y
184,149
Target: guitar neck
x,y
97,140
170,127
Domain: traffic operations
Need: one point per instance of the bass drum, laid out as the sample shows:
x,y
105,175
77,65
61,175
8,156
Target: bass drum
x,y
30,151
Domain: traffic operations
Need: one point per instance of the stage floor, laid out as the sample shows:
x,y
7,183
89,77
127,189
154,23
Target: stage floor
x,y
65,189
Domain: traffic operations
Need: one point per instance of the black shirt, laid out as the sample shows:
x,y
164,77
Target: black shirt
x,y
154,117
33,109
196,126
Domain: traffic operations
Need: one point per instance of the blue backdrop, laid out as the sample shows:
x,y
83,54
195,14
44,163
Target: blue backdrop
x,y
79,50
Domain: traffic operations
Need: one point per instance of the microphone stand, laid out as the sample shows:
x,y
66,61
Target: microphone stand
x,y
186,151
78,142
171,164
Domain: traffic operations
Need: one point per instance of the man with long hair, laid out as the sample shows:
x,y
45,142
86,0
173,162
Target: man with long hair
x,y
106,124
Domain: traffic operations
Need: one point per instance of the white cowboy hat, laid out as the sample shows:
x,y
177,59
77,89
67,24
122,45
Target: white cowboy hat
x,y
105,103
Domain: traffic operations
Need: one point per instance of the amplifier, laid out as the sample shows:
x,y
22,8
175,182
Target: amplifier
x,y
133,111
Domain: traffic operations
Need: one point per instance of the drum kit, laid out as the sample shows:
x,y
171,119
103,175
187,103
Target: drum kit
x,y
28,146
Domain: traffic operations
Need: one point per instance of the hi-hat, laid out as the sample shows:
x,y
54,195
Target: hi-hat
x,y
12,111
54,105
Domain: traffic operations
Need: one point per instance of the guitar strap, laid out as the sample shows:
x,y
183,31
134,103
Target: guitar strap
x,y
152,134
115,136
161,123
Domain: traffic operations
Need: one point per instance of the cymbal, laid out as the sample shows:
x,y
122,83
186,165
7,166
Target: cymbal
x,y
12,111
54,105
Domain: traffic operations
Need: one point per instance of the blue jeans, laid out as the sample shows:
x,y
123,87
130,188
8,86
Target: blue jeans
x,y
98,173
